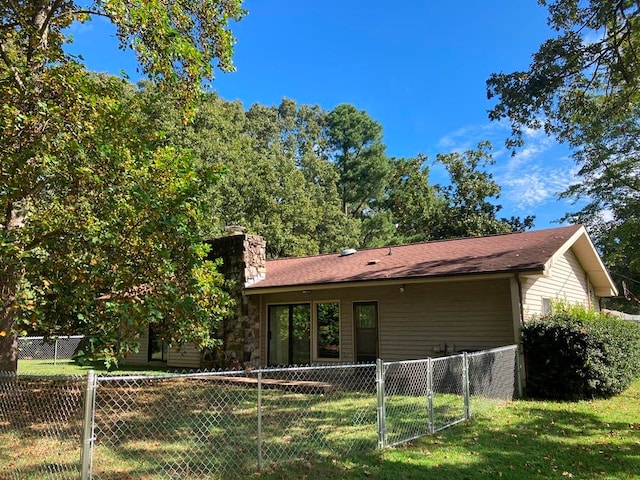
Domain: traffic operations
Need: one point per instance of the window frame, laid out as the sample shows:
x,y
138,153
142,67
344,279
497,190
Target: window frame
x,y
290,305
153,339
375,303
314,332
545,305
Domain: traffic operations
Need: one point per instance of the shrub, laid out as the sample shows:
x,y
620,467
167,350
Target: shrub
x,y
574,353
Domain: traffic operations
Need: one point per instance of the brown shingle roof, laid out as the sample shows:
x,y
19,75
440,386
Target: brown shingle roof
x,y
516,252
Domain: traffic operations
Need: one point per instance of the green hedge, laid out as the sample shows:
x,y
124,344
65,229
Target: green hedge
x,y
573,353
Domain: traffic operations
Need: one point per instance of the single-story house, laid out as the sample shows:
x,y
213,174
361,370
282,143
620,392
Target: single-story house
x,y
396,303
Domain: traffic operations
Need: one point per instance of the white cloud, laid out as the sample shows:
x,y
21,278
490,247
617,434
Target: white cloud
x,y
78,28
535,147
593,36
532,178
467,138
534,186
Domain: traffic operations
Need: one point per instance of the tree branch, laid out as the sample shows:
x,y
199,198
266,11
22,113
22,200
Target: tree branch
x,y
9,26
93,13
38,241
7,215
47,22
9,64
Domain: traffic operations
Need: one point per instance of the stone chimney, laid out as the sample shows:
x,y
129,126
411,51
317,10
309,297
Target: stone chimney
x,y
243,263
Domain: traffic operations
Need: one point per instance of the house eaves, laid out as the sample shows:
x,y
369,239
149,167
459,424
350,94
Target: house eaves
x,y
587,255
307,288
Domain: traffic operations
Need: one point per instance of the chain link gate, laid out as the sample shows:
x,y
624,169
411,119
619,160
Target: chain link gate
x,y
425,396
41,422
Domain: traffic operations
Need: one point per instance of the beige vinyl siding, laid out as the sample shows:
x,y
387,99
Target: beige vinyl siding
x,y
566,282
594,300
419,322
187,356
442,318
139,358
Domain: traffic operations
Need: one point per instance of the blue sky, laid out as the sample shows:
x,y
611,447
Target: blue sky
x,y
418,67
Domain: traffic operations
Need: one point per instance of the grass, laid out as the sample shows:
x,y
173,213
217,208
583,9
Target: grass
x,y
597,439
187,428
68,367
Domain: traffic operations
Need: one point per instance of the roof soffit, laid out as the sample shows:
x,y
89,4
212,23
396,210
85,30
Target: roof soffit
x,y
589,259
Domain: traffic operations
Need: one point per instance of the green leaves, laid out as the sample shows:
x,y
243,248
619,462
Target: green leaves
x,y
312,181
360,157
100,222
469,211
582,88
573,353
176,42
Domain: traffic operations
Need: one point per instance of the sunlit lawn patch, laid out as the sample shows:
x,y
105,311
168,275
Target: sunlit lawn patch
x,y
524,439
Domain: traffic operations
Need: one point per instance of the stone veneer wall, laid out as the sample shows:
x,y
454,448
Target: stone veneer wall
x,y
244,262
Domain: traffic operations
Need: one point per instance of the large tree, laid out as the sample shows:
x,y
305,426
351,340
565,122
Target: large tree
x,y
313,181
97,219
583,87
358,153
417,210
277,181
468,197
360,157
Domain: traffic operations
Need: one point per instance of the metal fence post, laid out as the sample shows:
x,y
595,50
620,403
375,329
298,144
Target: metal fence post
x,y
465,384
260,421
87,430
55,352
382,420
519,371
430,394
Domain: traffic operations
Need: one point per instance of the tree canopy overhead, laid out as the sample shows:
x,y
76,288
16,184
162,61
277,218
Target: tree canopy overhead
x,y
107,190
177,43
98,219
583,87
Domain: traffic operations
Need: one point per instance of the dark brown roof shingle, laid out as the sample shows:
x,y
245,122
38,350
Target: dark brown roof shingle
x,y
516,252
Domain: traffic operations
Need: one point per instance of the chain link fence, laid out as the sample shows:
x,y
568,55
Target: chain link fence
x,y
37,348
494,374
41,424
234,424
184,426
424,396
307,413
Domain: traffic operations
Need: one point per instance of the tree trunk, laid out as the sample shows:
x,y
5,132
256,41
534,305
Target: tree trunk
x,y
8,351
9,281
8,340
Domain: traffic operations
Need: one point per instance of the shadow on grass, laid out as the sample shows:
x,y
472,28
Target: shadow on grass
x,y
40,427
529,442
194,428
200,428
174,427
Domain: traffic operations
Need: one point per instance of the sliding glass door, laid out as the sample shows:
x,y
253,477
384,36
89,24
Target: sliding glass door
x,y
290,334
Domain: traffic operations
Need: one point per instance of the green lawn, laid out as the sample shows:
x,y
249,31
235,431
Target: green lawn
x,y
68,367
180,428
597,439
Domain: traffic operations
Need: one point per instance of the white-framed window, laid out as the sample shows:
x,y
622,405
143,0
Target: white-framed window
x,y
326,330
546,306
